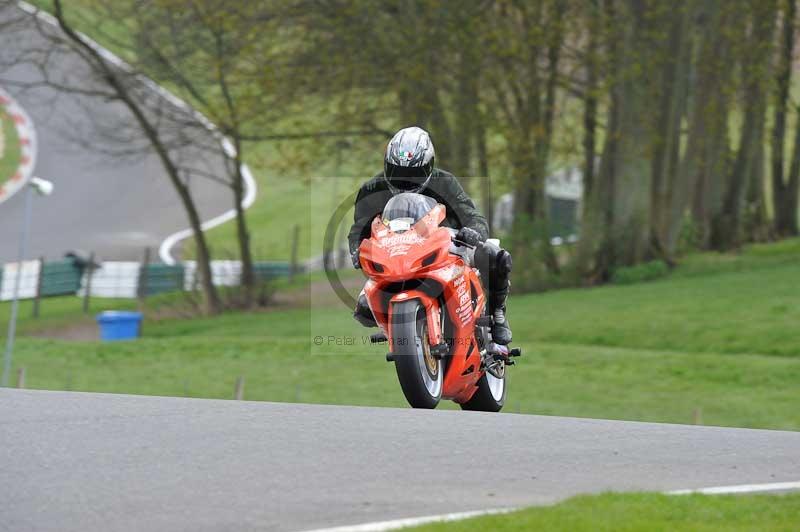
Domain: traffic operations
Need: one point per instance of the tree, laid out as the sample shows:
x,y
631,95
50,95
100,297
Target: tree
x,y
524,86
663,91
667,202
222,59
743,192
785,184
705,162
617,229
159,121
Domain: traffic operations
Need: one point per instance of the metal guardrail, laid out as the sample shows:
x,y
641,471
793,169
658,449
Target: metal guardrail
x,y
60,278
122,279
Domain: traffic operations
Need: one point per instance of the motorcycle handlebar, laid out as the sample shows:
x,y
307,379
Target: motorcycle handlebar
x,y
454,234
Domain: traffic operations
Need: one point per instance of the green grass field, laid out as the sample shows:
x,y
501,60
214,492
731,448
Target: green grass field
x,y
644,512
717,340
282,203
9,153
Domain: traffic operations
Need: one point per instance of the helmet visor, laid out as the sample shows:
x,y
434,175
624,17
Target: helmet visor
x,y
394,171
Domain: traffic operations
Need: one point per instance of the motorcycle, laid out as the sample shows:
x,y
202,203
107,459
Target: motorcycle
x,y
431,308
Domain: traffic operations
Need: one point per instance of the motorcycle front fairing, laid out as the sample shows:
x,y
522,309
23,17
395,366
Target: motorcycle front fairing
x,y
417,263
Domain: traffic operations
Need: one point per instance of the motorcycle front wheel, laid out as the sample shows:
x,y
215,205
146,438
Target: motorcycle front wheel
x,y
421,375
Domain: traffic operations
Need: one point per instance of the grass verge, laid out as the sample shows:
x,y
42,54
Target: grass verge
x,y
715,342
10,152
644,512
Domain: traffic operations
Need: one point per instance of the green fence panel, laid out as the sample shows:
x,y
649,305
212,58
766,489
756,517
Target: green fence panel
x,y
265,271
160,278
563,217
60,278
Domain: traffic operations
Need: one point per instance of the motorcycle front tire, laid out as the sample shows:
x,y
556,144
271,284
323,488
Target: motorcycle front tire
x,y
421,375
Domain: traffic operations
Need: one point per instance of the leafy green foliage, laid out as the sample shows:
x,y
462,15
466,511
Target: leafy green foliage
x,y
647,271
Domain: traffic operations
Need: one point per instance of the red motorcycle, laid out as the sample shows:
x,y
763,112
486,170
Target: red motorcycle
x,y
431,308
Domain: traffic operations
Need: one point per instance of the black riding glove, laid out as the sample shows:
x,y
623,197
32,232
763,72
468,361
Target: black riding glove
x,y
469,236
355,257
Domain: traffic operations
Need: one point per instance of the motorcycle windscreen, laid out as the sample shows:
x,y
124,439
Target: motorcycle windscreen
x,y
404,210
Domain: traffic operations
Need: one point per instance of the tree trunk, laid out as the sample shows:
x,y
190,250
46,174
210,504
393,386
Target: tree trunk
x,y
487,198
728,228
789,203
674,89
704,165
784,201
757,227
421,105
530,157
211,303
590,104
595,255
595,252
466,105
248,279
617,228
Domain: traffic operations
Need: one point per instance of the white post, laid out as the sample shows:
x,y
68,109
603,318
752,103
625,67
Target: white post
x,y
12,323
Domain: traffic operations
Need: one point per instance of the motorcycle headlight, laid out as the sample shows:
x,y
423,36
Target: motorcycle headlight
x,y
430,259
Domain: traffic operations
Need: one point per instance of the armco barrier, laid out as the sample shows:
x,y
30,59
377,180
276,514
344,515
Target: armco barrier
x,y
118,279
114,279
272,270
60,278
28,281
160,278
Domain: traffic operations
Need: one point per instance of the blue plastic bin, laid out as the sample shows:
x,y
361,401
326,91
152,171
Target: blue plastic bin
x,y
119,325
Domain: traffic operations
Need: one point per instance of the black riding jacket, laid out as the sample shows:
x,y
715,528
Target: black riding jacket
x,y
443,187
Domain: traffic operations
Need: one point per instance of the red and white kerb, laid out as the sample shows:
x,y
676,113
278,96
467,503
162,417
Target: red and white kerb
x,y
27,144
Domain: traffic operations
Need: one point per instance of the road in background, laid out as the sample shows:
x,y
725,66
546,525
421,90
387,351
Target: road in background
x,y
110,205
77,461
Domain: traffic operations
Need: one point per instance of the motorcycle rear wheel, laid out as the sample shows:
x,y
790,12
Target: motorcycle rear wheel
x,y
490,395
421,375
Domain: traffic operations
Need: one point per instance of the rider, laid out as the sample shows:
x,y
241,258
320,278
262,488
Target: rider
x,y
408,166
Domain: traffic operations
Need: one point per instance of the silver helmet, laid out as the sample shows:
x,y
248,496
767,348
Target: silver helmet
x,y
408,164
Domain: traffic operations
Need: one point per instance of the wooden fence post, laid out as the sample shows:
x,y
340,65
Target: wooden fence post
x,y
88,288
38,295
141,286
295,244
21,377
238,392
344,248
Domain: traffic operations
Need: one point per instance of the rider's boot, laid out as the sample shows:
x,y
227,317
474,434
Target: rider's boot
x,y
494,264
362,312
501,330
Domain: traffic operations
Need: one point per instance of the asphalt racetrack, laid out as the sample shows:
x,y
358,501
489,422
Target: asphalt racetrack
x,y
97,462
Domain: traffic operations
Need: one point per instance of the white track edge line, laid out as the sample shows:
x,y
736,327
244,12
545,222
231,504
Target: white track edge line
x,y
165,249
381,526
740,488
